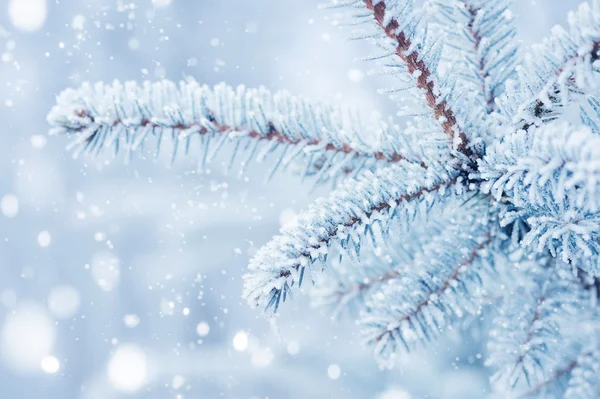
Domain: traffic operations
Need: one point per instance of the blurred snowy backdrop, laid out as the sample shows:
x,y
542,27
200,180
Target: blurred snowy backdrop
x,y
125,281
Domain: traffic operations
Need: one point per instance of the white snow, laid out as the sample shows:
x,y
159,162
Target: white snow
x,y
9,204
27,15
288,218
63,301
293,348
262,357
128,369
240,341
106,271
27,337
44,238
202,329
334,371
38,141
355,75
50,364
161,3
131,320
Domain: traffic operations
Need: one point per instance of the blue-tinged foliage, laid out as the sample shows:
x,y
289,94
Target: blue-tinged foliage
x,y
480,180
329,141
562,63
552,174
481,45
583,383
437,287
351,282
357,209
593,121
531,337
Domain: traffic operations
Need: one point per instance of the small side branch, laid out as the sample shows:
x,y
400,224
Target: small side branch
x,y
407,51
329,140
353,210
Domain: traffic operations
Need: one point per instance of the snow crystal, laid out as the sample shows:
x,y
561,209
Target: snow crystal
x,y
63,301
27,15
287,218
27,336
78,22
293,348
38,141
334,371
355,75
177,382
262,358
44,238
134,43
394,394
127,369
9,204
131,320
240,341
161,3
202,329
50,364
106,271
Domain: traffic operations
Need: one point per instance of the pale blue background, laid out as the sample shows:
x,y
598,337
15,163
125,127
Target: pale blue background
x,y
146,211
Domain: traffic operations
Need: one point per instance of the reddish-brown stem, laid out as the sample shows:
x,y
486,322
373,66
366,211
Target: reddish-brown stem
x,y
427,300
272,135
558,374
416,67
383,206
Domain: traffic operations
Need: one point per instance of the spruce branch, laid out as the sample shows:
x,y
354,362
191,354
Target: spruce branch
x,y
481,186
426,302
582,374
329,140
559,158
349,284
530,335
400,192
583,383
562,63
553,379
481,36
552,175
407,46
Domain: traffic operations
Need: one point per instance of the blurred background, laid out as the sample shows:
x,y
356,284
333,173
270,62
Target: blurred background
x,y
125,281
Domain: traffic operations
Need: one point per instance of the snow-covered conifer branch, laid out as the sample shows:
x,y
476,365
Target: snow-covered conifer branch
x,y
350,284
367,207
417,53
553,175
439,289
481,35
559,159
561,63
593,121
585,375
531,338
555,378
329,140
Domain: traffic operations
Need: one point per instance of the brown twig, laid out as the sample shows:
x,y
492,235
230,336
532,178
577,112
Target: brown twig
x,y
558,374
441,110
273,135
375,208
457,271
